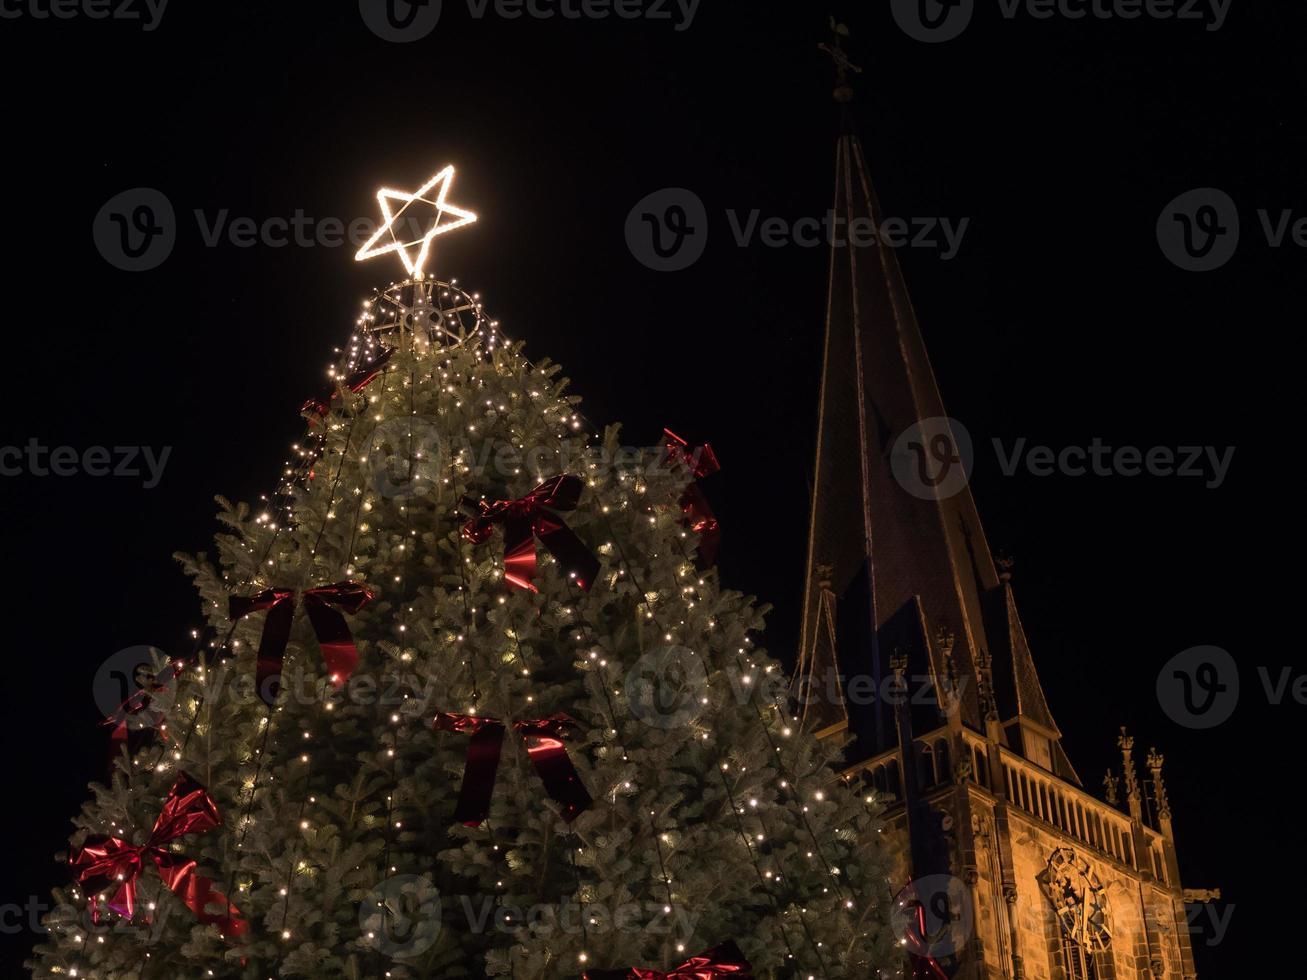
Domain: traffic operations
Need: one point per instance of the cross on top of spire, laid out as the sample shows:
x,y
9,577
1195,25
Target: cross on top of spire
x,y
843,88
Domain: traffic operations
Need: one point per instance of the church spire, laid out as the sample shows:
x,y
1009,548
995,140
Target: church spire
x,y
893,524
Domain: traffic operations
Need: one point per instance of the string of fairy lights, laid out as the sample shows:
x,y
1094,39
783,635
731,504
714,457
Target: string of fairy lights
x,y
513,654
424,314
498,853
661,837
305,823
296,472
784,783
431,319
767,879
394,312
405,591
747,672
178,669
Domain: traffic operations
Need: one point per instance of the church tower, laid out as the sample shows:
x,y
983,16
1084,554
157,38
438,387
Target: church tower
x,y
913,656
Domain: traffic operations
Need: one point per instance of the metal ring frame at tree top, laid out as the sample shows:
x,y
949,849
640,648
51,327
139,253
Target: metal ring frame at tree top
x,y
430,313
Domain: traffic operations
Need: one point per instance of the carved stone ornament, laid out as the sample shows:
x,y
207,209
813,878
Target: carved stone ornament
x,y
1078,899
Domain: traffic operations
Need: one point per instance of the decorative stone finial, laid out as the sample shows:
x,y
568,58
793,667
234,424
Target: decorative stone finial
x,y
1110,785
1126,744
898,662
1154,762
985,684
944,637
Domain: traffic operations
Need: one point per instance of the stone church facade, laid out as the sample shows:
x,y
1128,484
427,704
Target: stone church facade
x,y
914,658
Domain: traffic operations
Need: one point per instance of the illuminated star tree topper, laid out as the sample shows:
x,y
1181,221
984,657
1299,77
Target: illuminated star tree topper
x,y
395,234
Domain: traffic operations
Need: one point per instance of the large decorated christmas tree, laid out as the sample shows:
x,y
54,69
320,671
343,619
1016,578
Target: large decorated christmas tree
x,y
470,701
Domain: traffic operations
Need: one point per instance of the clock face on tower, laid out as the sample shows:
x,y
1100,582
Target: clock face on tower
x,y
1078,898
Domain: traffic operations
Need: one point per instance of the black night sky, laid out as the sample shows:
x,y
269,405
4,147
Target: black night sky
x,y
1059,321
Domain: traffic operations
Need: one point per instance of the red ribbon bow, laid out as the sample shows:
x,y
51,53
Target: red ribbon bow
x,y
702,462
323,605
103,861
139,708
533,517
320,405
544,744
725,960
924,965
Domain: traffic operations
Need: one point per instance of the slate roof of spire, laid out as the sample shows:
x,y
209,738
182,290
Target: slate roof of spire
x,y
908,562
